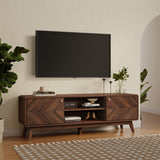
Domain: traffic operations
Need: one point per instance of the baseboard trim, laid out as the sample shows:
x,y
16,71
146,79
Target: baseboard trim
x,y
12,132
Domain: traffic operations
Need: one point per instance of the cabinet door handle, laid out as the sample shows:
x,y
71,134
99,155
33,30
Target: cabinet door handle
x,y
61,100
109,98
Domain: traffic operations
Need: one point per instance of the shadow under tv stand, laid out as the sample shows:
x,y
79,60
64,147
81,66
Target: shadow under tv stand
x,y
49,112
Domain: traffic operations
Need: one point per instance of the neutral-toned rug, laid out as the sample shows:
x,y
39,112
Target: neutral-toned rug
x,y
123,148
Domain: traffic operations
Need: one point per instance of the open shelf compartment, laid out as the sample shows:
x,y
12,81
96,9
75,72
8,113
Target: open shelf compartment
x,y
96,113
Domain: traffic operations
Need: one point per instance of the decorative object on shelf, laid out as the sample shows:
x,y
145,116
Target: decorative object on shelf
x,y
42,92
121,86
110,82
92,100
72,119
8,78
45,93
143,76
88,104
91,116
104,84
41,89
70,105
121,77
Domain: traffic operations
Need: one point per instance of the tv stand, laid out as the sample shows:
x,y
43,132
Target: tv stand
x,y
49,112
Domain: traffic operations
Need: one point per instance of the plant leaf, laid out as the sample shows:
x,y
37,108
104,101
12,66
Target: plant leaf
x,y
19,50
144,100
5,47
122,74
4,90
142,85
144,94
143,74
1,100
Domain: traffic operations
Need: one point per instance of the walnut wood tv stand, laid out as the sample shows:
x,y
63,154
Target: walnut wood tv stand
x,y
48,112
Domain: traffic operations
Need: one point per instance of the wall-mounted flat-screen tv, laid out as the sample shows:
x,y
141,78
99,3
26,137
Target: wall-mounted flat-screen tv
x,y
69,54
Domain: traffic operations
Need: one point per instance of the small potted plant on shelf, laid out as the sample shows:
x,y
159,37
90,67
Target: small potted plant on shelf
x,y
7,77
121,76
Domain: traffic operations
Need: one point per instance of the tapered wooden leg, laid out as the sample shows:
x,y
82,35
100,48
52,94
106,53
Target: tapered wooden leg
x,y
29,134
116,127
24,131
131,126
79,131
121,126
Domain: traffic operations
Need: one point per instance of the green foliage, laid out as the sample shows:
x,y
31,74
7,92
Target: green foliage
x,y
143,76
7,57
122,74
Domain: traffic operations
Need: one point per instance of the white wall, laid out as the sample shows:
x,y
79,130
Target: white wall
x,y
125,20
150,58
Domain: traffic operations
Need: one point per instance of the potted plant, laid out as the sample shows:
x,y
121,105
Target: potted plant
x,y
7,77
121,76
143,76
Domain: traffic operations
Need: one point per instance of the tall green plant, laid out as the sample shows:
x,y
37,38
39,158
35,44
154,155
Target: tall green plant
x,y
143,76
7,57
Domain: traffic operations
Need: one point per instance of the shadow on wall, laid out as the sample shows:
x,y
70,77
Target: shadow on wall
x,y
31,41
9,111
150,59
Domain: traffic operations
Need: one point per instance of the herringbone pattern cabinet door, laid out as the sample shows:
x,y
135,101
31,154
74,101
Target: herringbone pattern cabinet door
x,y
45,111
122,108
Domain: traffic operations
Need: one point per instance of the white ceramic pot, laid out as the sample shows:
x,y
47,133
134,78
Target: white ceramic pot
x,y
1,129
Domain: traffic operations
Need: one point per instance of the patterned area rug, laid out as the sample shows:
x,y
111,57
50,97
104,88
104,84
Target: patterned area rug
x,y
123,148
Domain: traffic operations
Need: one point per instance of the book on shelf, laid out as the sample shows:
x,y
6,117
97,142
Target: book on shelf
x,y
45,93
72,119
91,105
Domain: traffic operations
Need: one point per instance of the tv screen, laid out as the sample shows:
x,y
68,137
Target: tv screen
x,y
69,54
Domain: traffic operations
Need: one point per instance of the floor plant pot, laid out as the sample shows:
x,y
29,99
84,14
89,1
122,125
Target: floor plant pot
x,y
1,129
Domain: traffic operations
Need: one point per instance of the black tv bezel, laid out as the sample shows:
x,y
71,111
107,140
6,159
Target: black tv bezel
x,y
36,55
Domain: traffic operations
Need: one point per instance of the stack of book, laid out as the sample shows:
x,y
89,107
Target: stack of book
x,y
87,104
45,93
72,119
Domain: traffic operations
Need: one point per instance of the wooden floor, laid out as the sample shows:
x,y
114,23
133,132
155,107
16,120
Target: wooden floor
x,y
150,125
